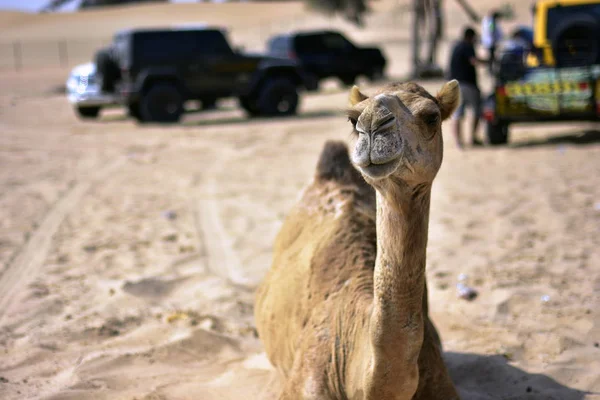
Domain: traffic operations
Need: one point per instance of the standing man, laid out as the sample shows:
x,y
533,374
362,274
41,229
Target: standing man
x,y
491,34
462,68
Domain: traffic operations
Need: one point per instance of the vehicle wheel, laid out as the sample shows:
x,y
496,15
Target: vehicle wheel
x,y
311,81
497,133
577,43
210,103
108,69
88,112
375,74
278,96
249,106
348,80
161,103
134,111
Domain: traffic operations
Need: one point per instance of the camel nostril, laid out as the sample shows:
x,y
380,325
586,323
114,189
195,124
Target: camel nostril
x,y
361,159
361,153
385,148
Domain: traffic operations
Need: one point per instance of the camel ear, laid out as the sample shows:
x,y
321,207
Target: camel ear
x,y
356,96
449,98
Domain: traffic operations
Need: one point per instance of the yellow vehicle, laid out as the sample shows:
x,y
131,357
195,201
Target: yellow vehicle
x,y
565,33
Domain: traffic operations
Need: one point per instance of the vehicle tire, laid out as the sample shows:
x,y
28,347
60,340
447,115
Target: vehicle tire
x,y
376,74
134,111
209,103
348,80
109,72
577,42
248,104
88,112
311,81
162,103
497,133
278,96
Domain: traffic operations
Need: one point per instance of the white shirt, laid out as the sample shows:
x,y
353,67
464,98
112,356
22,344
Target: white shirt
x,y
489,35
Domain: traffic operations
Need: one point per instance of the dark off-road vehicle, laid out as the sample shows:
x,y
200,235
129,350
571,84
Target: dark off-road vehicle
x,y
154,72
325,54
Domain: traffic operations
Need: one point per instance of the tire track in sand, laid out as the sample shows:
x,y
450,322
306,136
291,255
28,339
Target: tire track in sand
x,y
26,264
221,258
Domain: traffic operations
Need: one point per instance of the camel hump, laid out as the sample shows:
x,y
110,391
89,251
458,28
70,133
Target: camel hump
x,y
334,163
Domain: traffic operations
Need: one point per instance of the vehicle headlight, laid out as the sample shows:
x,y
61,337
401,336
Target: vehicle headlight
x,y
82,85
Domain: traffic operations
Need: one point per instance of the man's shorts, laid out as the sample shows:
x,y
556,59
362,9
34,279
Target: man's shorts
x,y
469,97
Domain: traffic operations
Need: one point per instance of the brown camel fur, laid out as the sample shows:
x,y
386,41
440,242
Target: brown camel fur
x,y
343,311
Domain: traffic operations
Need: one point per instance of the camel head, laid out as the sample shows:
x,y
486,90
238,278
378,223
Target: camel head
x,y
397,131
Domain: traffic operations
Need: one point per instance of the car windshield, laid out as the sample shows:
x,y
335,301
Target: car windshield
x,y
121,47
277,45
338,42
323,42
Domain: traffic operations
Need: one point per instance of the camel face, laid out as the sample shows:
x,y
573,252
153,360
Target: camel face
x,y
398,131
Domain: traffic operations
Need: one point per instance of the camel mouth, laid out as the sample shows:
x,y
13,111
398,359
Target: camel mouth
x,y
380,171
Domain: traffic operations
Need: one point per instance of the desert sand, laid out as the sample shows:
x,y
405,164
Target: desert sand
x,y
129,254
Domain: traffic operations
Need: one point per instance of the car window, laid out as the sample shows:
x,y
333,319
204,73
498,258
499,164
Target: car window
x,y
277,45
336,42
121,45
212,43
325,42
310,44
158,47
165,46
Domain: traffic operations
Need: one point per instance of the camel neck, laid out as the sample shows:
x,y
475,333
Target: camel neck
x,y
397,318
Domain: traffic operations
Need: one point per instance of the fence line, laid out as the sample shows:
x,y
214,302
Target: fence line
x,y
21,55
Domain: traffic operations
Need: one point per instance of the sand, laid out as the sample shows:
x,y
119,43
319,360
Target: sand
x,y
129,255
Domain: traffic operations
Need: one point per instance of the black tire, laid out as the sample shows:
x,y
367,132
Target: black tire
x,y
348,80
577,42
87,112
278,96
311,81
134,111
209,103
497,133
162,103
108,70
376,74
249,105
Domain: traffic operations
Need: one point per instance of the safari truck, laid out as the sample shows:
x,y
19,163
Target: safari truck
x,y
553,77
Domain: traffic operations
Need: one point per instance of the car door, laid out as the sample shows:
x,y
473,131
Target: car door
x,y
345,59
314,56
220,70
197,65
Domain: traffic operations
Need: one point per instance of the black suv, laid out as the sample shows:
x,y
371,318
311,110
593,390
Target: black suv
x,y
325,54
154,71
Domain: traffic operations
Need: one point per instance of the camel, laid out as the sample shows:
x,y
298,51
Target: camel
x,y
343,311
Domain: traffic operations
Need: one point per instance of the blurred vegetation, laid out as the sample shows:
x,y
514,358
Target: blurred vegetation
x,y
55,4
353,10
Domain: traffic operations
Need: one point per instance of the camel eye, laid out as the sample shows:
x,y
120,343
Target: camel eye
x,y
387,122
431,118
353,121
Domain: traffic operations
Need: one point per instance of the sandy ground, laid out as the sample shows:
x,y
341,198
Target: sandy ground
x,y
129,255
